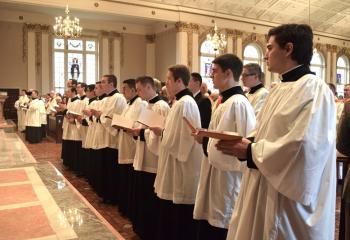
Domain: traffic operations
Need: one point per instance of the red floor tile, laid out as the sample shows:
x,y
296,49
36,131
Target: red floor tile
x,y
10,176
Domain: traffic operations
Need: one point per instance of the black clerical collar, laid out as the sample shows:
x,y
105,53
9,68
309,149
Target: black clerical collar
x,y
92,99
296,73
182,93
230,92
256,88
73,99
154,100
82,97
102,96
133,100
113,92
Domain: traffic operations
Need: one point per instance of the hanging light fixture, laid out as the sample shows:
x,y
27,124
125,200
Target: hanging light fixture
x,y
66,27
217,39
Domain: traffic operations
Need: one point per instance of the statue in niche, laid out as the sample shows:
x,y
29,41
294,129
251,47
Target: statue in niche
x,y
74,69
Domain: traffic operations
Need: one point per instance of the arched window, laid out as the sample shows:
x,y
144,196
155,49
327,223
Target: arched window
x,y
342,74
317,65
206,58
253,54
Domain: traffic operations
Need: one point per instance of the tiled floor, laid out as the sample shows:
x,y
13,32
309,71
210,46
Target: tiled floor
x,y
50,151
47,150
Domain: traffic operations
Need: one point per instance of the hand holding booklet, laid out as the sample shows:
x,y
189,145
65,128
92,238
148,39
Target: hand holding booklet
x,y
151,119
222,135
121,122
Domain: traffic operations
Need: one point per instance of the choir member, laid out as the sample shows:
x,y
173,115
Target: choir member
x,y
220,177
20,104
289,190
107,164
179,161
127,146
71,140
252,79
145,163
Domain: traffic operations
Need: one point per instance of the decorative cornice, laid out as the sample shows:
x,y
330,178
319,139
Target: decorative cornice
x,y
110,34
37,27
187,27
151,38
230,32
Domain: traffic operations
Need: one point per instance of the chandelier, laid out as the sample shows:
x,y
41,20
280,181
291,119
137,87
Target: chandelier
x,y
218,40
66,27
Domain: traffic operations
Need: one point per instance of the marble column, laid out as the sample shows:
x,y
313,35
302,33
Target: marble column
x,y
333,78
239,44
329,63
31,67
45,63
230,34
181,43
195,48
150,55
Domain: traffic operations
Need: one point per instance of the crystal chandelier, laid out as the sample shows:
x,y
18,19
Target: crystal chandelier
x,y
217,39
66,27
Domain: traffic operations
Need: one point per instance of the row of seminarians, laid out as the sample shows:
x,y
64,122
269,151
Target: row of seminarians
x,y
277,184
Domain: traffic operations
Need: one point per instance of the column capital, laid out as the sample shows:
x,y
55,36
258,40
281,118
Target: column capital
x,y
110,34
230,32
187,27
239,33
151,38
37,27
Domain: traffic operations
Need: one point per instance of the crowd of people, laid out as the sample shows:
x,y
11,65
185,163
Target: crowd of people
x,y
276,182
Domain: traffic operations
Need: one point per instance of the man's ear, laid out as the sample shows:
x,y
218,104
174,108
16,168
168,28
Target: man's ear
x,y
289,47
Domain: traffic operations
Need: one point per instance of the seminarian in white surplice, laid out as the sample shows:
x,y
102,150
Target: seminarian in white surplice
x,y
33,118
289,190
179,161
21,104
221,174
145,164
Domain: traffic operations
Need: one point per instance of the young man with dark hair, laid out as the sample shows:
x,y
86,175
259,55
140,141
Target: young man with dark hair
x,y
113,103
127,146
203,102
221,174
289,190
179,161
145,163
252,78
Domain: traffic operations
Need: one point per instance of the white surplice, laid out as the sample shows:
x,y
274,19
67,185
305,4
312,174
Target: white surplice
x,y
180,155
21,113
221,174
113,104
33,114
292,194
70,129
257,99
91,121
127,144
43,117
147,152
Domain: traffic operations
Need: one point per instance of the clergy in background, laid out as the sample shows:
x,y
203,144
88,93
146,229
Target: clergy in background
x,y
290,188
221,174
33,119
179,161
146,162
203,102
252,79
127,147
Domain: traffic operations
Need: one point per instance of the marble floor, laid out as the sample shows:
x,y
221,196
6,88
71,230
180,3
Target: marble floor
x,y
87,213
38,202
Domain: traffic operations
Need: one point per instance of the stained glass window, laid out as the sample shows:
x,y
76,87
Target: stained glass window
x,y
342,74
78,59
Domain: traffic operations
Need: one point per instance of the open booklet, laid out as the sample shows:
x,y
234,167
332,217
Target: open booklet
x,y
121,122
150,118
222,135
